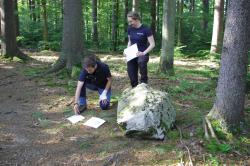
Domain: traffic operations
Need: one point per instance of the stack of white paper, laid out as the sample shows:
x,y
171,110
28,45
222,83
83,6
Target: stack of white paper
x,y
131,52
75,118
94,122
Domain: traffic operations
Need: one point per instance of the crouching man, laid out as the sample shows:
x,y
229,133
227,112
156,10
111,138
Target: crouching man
x,y
95,76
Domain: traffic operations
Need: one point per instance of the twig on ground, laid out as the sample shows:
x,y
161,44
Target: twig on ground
x,y
189,155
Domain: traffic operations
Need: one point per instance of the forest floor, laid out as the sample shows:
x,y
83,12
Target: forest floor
x,y
34,129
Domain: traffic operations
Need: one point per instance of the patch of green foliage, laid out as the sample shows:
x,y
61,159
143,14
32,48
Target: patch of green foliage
x,y
214,147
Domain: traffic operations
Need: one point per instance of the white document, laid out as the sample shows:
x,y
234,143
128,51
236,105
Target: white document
x,y
94,122
75,118
130,52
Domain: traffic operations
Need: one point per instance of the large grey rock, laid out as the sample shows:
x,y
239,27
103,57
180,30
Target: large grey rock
x,y
145,112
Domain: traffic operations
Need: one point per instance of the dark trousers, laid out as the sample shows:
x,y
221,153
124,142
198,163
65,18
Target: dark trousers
x,y
83,101
132,68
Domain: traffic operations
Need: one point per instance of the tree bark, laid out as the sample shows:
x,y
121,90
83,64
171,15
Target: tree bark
x,y
135,5
72,43
125,20
153,16
17,18
45,21
114,24
230,94
205,15
180,13
94,20
8,31
168,31
217,27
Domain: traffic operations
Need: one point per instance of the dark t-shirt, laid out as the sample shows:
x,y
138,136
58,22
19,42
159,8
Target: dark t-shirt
x,y
98,78
140,36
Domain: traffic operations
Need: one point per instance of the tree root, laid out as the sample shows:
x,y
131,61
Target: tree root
x,y
207,125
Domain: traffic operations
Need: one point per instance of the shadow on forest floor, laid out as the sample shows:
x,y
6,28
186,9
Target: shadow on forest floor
x,y
34,129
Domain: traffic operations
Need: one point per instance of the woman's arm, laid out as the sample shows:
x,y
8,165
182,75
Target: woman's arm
x,y
151,45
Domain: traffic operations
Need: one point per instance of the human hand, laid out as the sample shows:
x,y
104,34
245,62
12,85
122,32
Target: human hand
x,y
103,96
76,108
139,53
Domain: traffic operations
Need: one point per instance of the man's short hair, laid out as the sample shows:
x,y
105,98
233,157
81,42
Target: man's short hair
x,y
134,15
89,61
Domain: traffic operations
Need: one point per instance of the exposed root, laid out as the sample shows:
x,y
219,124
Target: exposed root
x,y
213,135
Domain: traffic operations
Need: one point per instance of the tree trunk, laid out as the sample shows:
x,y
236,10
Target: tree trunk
x,y
17,18
8,31
125,20
114,24
94,20
230,94
205,15
168,31
180,13
153,16
45,21
135,5
217,27
72,43
192,11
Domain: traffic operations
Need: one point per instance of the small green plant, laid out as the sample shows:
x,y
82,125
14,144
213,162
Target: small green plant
x,y
214,147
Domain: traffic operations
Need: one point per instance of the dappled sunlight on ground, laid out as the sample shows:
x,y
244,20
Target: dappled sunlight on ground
x,y
34,129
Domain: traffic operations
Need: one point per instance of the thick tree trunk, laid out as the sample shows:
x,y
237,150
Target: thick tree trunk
x,y
230,94
168,31
72,43
8,31
153,16
94,20
217,27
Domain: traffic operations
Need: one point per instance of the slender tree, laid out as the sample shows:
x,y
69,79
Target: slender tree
x,y
8,30
153,16
205,14
114,24
126,10
45,21
94,20
17,18
180,4
217,27
230,93
135,5
168,31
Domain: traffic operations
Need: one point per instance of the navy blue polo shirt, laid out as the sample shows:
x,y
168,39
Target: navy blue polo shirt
x,y
98,78
140,36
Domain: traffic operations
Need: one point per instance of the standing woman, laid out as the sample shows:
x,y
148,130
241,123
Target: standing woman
x,y
143,37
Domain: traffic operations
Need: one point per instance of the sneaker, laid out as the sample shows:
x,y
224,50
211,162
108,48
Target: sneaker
x,y
82,108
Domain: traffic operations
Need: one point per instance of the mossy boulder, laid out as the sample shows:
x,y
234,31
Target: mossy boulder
x,y
145,112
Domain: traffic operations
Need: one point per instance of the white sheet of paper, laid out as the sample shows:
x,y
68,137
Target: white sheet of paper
x,y
75,118
130,52
94,122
